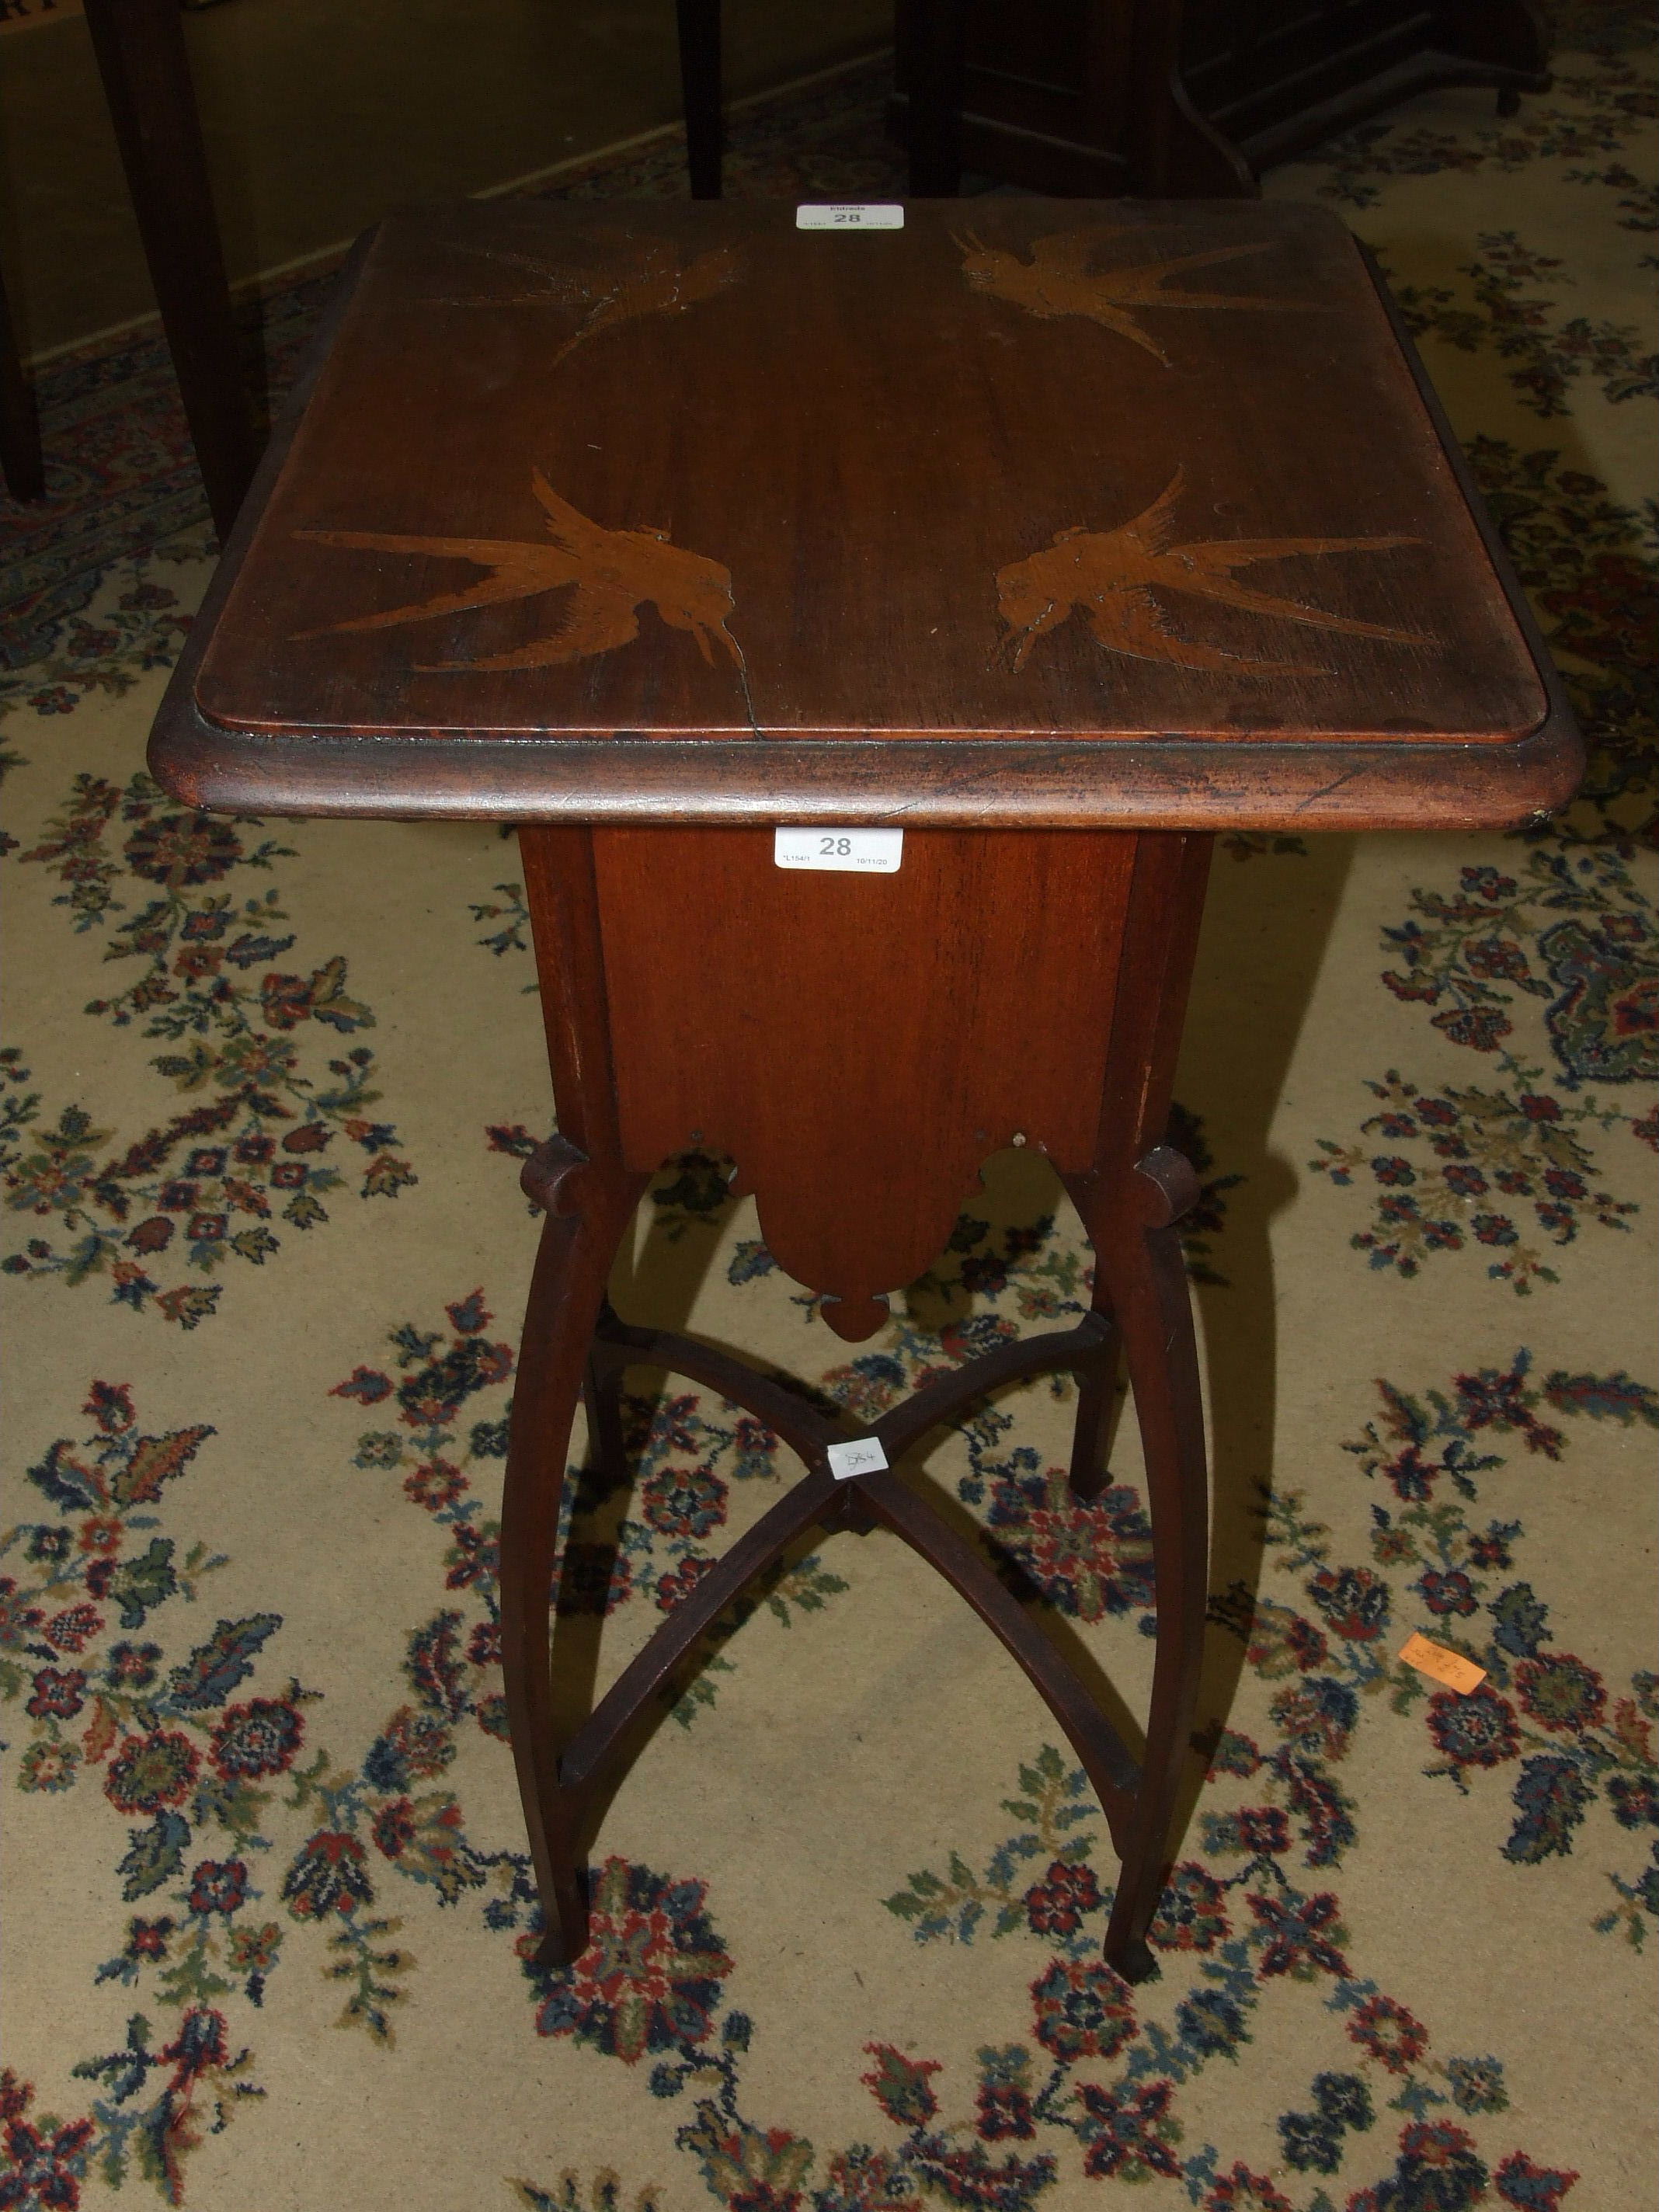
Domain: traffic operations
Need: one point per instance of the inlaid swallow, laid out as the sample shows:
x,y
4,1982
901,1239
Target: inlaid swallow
x,y
655,284
613,573
1058,280
1111,576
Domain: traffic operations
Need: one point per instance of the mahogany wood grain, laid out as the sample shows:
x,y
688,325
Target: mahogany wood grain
x,y
561,891
1096,472
1141,1273
860,1045
1080,730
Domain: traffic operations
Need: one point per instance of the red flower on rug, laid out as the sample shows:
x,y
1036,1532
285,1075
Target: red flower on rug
x,y
1386,2031
150,1772
1083,2010
650,1977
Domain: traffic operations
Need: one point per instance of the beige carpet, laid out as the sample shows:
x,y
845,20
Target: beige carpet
x,y
268,1905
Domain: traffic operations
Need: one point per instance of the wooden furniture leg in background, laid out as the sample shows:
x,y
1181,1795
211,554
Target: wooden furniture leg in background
x,y
19,426
699,23
931,32
1092,1063
140,48
1194,99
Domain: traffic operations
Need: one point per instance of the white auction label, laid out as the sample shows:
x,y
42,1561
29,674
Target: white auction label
x,y
850,214
858,852
863,1455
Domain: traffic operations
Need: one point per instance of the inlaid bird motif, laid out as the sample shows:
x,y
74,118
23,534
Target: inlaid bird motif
x,y
610,574
1111,577
1058,280
654,282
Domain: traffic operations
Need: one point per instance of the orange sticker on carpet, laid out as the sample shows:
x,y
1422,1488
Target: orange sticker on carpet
x,y
1450,1668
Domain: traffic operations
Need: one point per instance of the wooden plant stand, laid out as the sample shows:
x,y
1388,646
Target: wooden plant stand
x,y
1057,537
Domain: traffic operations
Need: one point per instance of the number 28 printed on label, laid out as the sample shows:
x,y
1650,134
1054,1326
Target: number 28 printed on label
x,y
849,215
855,852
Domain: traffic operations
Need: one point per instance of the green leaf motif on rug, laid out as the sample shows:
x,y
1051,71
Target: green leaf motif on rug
x,y
1550,353
203,2082
603,2193
1591,569
513,916
205,1184
1101,2070
1572,926
1571,929
1544,1717
1056,1803
1238,1933
1605,109
107,653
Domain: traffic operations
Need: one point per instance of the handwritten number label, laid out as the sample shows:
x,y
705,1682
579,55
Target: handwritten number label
x,y
850,214
1450,1668
857,1456
856,852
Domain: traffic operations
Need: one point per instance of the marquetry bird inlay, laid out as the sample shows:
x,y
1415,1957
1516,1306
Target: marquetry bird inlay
x,y
656,283
1058,280
610,574
1112,576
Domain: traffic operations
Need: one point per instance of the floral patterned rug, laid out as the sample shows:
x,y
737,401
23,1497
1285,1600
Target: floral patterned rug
x,y
270,1924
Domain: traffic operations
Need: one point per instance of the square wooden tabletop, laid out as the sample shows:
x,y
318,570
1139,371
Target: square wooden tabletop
x,y
1022,509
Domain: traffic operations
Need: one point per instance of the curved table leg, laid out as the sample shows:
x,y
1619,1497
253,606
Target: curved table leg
x,y
933,32
139,49
1109,1765
574,1346
1132,1224
1091,1431
602,1402
588,1209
